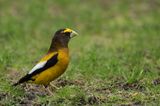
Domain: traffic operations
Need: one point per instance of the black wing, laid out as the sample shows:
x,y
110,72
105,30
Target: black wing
x,y
51,62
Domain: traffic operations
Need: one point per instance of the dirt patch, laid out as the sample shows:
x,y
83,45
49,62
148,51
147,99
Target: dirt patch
x,y
156,81
120,84
3,96
95,100
30,96
133,86
33,90
128,86
63,82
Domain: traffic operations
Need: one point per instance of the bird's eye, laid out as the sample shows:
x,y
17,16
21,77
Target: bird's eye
x,y
67,34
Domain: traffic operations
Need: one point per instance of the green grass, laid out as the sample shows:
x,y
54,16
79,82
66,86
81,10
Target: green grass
x,y
114,61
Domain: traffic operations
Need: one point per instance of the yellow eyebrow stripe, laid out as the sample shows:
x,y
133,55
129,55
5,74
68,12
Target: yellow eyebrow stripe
x,y
67,30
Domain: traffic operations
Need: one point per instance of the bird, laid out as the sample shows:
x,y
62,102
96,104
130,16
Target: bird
x,y
54,63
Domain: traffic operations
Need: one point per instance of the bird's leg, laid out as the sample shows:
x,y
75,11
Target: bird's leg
x,y
26,86
49,91
53,86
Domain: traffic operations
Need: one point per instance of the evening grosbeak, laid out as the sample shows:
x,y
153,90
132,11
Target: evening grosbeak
x,y
54,63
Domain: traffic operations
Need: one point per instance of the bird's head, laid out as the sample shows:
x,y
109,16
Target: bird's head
x,y
66,33
62,37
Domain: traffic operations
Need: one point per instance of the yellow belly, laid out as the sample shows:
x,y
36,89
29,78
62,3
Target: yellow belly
x,y
54,72
49,75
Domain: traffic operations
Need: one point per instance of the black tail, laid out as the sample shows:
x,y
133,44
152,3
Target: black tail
x,y
23,79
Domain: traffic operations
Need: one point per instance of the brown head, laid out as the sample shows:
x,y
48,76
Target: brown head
x,y
61,39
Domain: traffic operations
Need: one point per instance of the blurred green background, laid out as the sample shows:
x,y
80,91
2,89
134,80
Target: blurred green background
x,y
115,60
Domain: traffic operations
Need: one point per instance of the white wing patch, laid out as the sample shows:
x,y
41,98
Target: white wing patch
x,y
38,66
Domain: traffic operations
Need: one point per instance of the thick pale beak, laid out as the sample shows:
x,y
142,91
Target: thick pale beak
x,y
73,34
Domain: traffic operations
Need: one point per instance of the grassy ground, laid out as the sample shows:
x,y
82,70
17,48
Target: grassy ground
x,y
114,61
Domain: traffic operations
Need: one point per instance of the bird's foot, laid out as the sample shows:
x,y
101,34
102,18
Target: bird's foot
x,y
47,88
